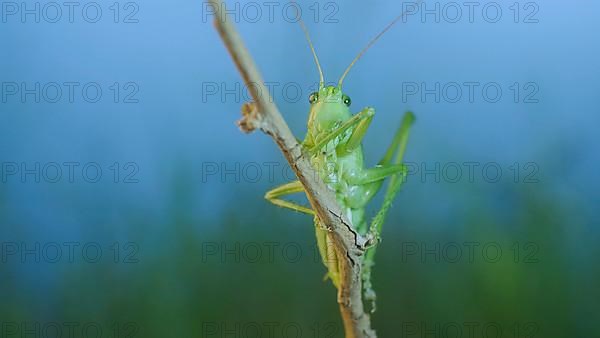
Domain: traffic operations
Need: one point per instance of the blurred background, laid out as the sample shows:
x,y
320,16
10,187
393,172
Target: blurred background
x,y
132,206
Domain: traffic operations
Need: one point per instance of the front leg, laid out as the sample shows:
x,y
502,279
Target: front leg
x,y
364,117
359,132
274,195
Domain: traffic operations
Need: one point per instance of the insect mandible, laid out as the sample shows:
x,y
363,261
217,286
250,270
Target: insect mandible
x,y
333,142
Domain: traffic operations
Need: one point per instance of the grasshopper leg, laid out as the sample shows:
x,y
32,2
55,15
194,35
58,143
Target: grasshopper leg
x,y
397,148
364,115
359,131
398,145
326,248
288,189
373,179
327,252
377,174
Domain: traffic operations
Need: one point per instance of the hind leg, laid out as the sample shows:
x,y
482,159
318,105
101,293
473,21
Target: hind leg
x,y
378,174
393,156
398,147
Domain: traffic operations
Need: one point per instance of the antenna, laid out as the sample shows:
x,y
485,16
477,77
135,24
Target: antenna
x,y
372,42
312,48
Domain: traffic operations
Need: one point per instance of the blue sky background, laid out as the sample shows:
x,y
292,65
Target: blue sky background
x,y
171,55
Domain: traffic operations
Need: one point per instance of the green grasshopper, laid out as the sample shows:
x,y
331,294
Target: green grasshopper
x,y
333,142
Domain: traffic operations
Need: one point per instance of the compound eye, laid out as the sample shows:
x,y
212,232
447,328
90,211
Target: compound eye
x,y
313,97
347,100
